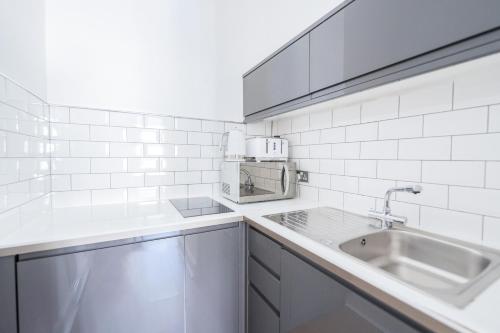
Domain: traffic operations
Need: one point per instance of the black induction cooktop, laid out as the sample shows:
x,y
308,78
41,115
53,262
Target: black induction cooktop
x,y
198,206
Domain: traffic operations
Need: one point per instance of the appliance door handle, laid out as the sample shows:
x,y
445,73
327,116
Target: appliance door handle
x,y
285,179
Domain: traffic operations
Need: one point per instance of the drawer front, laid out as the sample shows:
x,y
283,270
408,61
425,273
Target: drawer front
x,y
261,317
265,250
265,282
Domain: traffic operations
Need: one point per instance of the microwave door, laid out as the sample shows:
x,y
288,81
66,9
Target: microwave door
x,y
262,181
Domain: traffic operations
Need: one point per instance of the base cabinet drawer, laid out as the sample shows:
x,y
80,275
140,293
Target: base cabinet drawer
x,y
261,317
265,282
267,251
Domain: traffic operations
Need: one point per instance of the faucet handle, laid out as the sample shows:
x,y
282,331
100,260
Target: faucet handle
x,y
386,219
379,218
398,219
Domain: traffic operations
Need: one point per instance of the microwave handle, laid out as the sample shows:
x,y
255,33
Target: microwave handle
x,y
285,179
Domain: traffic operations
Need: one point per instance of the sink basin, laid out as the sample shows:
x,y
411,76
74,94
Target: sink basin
x,y
453,271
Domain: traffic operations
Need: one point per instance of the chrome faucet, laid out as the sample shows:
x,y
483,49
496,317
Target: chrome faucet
x,y
385,216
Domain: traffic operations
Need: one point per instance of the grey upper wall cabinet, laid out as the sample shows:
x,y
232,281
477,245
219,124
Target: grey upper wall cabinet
x,y
283,78
368,35
366,43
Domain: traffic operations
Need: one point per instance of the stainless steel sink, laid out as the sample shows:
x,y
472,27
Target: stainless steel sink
x,y
453,271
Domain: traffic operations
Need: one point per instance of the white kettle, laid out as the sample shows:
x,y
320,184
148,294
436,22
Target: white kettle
x,y
235,145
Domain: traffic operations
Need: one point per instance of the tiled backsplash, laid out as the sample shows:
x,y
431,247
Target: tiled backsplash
x,y
24,146
88,156
444,135
103,157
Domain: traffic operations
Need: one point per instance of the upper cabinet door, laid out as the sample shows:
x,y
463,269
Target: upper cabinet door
x,y
283,78
369,35
327,52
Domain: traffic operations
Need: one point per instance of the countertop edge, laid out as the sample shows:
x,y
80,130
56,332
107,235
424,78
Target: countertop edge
x,y
116,235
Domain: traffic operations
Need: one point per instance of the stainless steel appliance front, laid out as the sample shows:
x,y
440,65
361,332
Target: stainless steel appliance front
x,y
244,182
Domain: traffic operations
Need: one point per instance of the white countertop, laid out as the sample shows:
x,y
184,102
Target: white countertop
x,y
62,227
71,226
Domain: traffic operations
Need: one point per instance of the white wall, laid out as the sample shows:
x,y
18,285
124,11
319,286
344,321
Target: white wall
x,y
144,56
168,57
22,43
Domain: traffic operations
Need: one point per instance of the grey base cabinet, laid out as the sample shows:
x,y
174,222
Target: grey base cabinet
x,y
185,282
297,297
8,316
131,288
312,301
212,282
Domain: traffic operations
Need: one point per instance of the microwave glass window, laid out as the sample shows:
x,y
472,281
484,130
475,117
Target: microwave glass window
x,y
260,178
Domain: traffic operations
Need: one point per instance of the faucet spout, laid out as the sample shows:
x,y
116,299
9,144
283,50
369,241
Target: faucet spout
x,y
415,189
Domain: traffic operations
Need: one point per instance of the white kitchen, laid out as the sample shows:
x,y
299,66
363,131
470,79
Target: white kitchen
x,y
249,166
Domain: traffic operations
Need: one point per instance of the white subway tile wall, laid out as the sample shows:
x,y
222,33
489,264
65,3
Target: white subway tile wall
x,y
444,135
24,146
111,157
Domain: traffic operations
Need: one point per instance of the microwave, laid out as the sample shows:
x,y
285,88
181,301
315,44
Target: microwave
x,y
244,182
